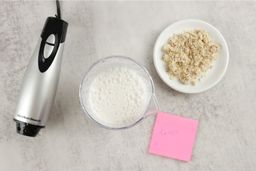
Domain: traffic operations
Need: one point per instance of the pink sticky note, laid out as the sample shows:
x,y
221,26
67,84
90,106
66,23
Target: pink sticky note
x,y
173,136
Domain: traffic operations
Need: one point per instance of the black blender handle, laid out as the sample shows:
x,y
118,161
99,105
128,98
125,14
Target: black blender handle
x,y
58,28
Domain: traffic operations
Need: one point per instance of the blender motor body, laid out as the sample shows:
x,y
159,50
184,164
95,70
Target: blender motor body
x,y
41,78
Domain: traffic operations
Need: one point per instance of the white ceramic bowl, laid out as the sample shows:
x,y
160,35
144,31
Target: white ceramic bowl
x,y
212,77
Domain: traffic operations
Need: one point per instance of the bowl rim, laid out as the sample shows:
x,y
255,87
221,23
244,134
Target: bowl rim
x,y
163,78
152,96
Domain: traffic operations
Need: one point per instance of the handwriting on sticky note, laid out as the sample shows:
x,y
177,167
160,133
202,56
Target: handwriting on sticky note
x,y
164,132
173,136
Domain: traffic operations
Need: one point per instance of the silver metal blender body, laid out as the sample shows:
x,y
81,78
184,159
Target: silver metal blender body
x,y
41,79
38,90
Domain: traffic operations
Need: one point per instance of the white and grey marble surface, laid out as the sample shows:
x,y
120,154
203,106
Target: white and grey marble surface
x,y
226,138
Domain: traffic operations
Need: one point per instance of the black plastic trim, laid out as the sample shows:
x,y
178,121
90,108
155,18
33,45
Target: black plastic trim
x,y
27,129
55,25
58,28
45,63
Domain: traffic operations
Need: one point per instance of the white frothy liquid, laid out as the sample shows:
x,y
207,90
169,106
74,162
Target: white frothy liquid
x,y
118,97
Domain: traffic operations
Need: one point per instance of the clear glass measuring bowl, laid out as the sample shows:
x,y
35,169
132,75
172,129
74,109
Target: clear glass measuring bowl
x,y
100,67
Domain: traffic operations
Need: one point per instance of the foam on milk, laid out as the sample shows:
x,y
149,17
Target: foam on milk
x,y
118,97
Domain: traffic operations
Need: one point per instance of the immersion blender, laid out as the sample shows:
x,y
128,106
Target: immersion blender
x,y
41,77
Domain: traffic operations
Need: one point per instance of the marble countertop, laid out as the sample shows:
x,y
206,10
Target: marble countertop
x,y
226,139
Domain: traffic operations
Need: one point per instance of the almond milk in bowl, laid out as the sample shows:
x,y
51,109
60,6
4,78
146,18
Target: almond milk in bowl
x,y
117,92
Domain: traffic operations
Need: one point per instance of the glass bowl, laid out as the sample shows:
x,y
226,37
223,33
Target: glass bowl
x,y
101,66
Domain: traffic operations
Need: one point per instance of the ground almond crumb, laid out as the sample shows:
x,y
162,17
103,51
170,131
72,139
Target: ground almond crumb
x,y
189,55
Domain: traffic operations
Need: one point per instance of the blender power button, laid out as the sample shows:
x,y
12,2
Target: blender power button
x,y
50,39
49,45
